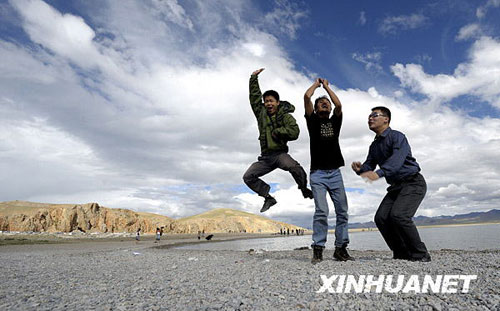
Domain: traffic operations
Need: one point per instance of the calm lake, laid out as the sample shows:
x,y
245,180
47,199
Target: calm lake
x,y
474,237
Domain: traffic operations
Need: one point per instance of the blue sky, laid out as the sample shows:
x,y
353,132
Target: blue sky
x,y
144,104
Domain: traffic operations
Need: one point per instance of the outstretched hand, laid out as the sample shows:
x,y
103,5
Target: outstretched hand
x,y
370,176
256,72
317,83
356,166
325,82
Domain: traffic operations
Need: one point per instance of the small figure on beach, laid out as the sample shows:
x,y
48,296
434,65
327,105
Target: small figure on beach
x,y
199,234
138,235
325,176
392,153
276,127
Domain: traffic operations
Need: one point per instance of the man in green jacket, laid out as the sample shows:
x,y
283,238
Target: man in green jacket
x,y
276,127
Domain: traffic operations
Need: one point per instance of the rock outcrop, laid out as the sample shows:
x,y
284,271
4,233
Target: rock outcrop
x,y
28,216
40,217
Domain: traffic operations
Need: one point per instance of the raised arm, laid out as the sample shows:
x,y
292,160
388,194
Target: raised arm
x,y
308,105
255,94
335,100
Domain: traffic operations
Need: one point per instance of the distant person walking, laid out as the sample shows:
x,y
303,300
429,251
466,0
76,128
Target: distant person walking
x,y
158,235
276,127
326,177
138,235
392,153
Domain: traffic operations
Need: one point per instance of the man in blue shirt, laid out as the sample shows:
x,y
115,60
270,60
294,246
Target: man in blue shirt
x,y
392,153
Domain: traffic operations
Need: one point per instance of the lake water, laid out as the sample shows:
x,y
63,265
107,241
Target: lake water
x,y
474,237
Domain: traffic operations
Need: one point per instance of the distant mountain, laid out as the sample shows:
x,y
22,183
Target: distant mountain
x,y
492,216
90,217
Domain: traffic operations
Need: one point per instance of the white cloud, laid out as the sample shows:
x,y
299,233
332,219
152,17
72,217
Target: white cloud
x,y
173,12
479,76
453,190
152,115
395,24
470,31
483,9
370,60
286,17
66,34
362,18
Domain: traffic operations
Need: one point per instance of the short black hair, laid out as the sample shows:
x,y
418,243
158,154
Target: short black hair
x,y
316,101
384,110
272,93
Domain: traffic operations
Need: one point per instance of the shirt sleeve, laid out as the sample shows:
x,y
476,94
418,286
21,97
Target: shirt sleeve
x,y
337,122
370,162
400,149
255,95
310,120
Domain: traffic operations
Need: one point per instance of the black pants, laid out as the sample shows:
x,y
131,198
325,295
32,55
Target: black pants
x,y
394,218
267,164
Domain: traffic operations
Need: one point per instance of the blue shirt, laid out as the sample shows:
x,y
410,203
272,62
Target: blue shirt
x,y
392,153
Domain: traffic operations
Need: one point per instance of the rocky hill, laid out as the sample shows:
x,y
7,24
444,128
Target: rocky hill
x,y
228,220
41,217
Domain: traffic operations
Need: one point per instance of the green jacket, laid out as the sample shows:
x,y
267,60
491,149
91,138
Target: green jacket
x,y
274,131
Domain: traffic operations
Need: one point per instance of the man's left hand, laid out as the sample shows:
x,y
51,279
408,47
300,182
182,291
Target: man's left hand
x,y
370,175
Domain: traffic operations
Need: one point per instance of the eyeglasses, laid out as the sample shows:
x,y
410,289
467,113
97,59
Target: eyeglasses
x,y
376,114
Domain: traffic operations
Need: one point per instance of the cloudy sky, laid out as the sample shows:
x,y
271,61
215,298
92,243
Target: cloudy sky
x,y
144,104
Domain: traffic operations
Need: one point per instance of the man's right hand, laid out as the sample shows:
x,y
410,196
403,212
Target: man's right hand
x,y
256,72
356,166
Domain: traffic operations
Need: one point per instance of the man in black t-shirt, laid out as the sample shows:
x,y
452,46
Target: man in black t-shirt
x,y
326,159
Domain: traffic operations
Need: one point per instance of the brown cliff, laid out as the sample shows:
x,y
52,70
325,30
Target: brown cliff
x,y
40,217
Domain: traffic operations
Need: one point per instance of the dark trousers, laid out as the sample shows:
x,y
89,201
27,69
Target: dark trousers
x,y
267,164
394,218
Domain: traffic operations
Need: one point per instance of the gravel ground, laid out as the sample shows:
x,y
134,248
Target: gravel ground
x,y
130,276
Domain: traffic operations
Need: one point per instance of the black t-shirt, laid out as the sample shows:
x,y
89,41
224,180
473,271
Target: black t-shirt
x,y
324,145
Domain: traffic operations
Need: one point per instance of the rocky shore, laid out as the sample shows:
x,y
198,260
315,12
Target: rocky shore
x,y
121,274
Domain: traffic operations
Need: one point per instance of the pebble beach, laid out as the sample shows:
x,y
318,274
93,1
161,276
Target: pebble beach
x,y
122,274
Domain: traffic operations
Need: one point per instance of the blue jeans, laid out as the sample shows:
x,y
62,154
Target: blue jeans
x,y
323,181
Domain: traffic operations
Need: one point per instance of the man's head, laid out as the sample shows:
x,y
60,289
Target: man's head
x,y
379,119
271,101
322,107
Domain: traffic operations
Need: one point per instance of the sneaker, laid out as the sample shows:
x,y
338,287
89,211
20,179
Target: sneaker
x,y
317,254
339,254
307,193
345,254
426,258
270,201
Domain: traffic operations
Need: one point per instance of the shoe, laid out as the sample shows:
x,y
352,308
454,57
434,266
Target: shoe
x,y
426,258
345,254
339,254
307,193
317,254
270,201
